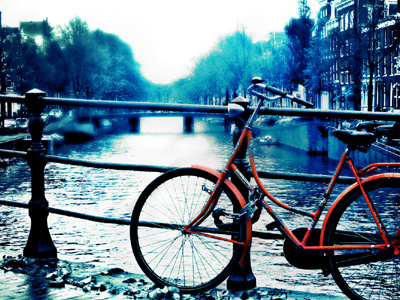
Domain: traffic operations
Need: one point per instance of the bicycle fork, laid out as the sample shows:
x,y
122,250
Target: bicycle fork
x,y
207,210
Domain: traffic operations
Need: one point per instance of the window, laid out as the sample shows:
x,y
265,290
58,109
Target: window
x,y
378,67
341,23
392,66
386,10
351,19
397,63
377,39
391,91
385,38
337,70
396,92
384,66
392,35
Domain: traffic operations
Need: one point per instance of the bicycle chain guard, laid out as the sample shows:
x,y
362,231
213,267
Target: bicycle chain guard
x,y
299,258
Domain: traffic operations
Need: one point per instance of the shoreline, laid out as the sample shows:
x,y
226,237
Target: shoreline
x,y
86,281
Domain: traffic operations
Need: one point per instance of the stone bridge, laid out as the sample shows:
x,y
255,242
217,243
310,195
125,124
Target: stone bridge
x,y
134,118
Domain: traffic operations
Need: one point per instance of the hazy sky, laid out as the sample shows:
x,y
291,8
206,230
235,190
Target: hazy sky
x,y
166,35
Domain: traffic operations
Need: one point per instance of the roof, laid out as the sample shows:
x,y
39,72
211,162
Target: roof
x,y
32,28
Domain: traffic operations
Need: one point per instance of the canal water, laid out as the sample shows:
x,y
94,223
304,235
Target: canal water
x,y
111,193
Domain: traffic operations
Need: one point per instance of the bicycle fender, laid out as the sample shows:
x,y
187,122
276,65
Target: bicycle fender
x,y
246,253
348,190
227,182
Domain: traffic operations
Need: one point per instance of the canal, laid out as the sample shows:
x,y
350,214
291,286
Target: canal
x,y
113,194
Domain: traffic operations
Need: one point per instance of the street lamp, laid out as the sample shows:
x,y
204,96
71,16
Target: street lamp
x,y
379,85
396,94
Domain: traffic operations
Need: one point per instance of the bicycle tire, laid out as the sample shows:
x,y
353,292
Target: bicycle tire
x,y
365,274
169,257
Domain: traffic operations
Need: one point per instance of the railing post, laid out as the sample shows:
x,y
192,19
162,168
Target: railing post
x,y
188,124
39,244
135,124
242,278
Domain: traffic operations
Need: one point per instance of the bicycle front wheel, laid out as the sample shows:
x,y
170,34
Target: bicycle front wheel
x,y
193,262
372,273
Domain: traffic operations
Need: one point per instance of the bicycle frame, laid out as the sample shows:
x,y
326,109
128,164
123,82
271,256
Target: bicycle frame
x,y
192,227
231,169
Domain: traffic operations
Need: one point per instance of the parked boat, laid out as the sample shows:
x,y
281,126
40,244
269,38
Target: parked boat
x,y
49,142
76,132
268,140
5,162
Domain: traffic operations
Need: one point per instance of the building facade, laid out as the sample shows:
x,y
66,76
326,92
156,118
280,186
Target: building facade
x,y
364,54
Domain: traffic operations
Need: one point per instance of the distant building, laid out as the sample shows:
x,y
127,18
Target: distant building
x,y
39,31
277,38
341,16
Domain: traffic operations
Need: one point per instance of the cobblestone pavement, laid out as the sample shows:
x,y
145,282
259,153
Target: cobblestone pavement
x,y
22,286
53,279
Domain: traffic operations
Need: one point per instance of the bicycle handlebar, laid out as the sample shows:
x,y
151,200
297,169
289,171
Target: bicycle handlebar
x,y
276,91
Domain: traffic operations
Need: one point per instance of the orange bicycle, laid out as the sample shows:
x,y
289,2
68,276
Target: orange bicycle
x,y
191,225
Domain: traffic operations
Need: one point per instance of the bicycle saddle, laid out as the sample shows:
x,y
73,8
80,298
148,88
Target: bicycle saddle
x,y
355,139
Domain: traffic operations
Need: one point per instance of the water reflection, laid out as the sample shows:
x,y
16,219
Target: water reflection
x,y
113,193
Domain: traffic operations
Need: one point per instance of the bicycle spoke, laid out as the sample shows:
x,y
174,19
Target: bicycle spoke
x,y
361,273
167,254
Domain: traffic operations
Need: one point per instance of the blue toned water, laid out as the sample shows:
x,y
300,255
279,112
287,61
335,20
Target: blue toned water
x,y
113,193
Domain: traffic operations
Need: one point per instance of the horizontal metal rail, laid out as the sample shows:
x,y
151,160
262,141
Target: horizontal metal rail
x,y
211,109
153,114
106,165
67,213
133,105
148,168
70,213
161,169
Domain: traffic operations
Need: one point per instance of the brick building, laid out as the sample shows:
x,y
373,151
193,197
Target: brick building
x,y
376,23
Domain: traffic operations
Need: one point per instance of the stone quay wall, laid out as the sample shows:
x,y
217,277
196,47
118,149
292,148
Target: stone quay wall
x,y
316,138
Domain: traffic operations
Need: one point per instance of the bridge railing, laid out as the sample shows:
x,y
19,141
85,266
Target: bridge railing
x,y
40,244
210,109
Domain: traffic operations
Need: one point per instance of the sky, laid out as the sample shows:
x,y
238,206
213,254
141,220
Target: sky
x,y
166,36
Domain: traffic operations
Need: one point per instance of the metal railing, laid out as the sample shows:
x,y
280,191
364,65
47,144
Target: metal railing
x,y
210,109
39,242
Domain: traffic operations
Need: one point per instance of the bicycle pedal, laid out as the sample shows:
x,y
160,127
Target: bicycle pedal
x,y
272,226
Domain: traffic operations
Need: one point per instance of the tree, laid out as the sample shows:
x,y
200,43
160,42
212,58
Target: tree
x,y
76,40
236,54
100,65
319,60
55,69
318,64
226,69
205,82
22,61
299,34
270,63
120,77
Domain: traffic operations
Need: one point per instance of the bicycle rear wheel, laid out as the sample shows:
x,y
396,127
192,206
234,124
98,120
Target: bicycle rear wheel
x,y
365,274
168,256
